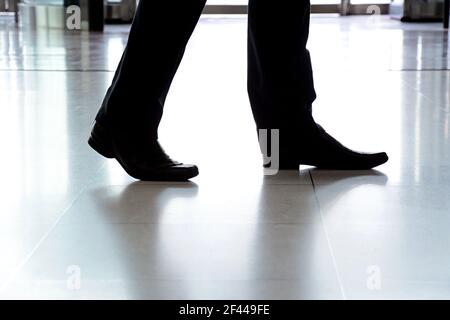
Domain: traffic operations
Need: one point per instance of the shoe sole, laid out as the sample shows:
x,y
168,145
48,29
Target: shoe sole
x,y
376,160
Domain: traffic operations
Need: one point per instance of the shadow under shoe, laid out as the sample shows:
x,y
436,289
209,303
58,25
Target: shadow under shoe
x,y
147,163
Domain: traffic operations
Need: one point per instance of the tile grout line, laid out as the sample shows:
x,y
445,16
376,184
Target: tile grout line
x,y
28,257
330,247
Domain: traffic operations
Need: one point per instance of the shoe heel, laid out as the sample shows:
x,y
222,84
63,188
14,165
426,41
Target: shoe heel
x,y
99,141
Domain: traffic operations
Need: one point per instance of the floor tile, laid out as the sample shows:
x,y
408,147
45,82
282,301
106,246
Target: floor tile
x,y
198,258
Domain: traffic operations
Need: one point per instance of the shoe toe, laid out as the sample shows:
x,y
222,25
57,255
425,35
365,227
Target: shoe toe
x,y
379,159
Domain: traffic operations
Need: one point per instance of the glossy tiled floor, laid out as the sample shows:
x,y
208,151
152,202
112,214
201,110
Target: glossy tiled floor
x,y
73,225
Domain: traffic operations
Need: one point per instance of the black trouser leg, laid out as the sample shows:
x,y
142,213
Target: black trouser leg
x,y
159,34
280,78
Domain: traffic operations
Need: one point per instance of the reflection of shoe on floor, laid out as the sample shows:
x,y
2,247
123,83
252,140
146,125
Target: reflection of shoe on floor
x,y
149,164
321,150
351,178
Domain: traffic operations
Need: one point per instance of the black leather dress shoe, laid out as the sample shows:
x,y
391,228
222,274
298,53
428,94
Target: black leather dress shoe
x,y
325,152
148,163
321,150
